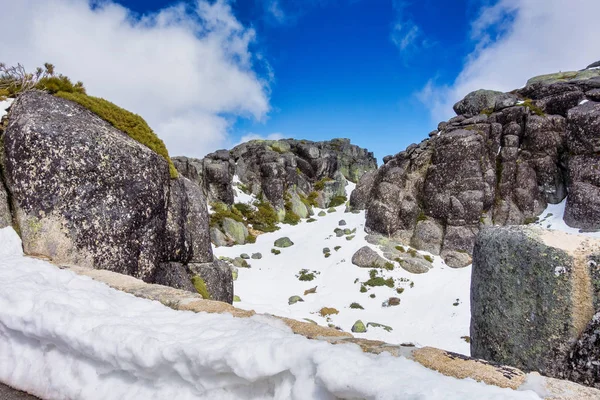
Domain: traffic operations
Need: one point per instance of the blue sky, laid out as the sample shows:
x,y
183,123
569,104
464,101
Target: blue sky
x,y
207,74
338,73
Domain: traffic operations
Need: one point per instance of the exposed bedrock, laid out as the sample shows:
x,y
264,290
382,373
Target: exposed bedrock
x,y
84,193
501,161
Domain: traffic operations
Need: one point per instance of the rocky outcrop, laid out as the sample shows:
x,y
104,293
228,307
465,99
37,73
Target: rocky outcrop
x,y
533,293
273,167
501,161
584,361
84,193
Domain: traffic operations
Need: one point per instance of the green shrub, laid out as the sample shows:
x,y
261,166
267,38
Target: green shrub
x,y
245,209
337,201
265,218
306,275
363,289
412,252
389,266
421,217
336,248
312,198
378,281
320,184
372,295
60,83
275,251
428,258
291,217
251,239
220,212
356,306
200,286
401,249
131,124
311,220
400,290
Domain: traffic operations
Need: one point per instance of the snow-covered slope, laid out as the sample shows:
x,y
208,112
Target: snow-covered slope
x,y
64,336
434,308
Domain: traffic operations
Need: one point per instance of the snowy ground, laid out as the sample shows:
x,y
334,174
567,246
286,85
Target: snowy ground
x,y
552,218
4,104
64,336
434,309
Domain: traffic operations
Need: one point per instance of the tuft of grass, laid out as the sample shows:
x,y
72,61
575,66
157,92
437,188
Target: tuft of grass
x,y
125,121
412,252
421,216
401,249
320,184
428,258
400,290
275,251
327,311
389,266
306,275
528,103
356,306
200,286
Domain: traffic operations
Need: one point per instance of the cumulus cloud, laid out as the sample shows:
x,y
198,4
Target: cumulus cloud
x,y
518,39
255,136
187,69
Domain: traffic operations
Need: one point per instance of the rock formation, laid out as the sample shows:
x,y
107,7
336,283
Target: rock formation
x,y
289,174
84,193
500,161
533,294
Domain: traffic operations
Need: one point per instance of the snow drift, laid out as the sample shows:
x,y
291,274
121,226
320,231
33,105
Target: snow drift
x,y
64,336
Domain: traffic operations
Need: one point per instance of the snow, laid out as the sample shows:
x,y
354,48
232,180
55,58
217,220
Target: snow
x,y
67,336
427,315
4,104
583,101
552,218
239,195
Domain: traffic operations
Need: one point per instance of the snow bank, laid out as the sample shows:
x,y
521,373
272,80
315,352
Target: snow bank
x,y
4,104
66,336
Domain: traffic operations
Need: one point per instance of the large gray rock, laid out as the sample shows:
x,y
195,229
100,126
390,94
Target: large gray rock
x,y
235,231
366,257
188,238
533,292
218,279
477,101
360,194
84,193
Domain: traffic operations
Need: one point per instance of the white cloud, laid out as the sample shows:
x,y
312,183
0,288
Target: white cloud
x,y
516,40
406,34
188,73
275,10
255,136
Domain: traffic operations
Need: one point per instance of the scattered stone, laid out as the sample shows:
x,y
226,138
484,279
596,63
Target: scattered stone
x,y
240,263
391,302
310,291
342,223
283,242
294,300
347,231
245,256
338,232
376,325
349,237
322,213
256,256
326,250
359,327
366,257
331,210
275,251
